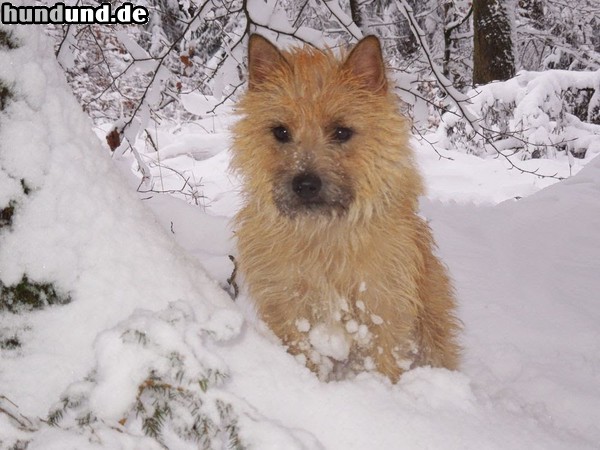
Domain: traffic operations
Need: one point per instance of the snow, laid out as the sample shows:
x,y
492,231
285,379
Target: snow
x,y
538,106
303,325
330,341
79,228
147,274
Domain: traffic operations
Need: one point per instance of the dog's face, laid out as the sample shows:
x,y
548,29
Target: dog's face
x,y
315,134
312,150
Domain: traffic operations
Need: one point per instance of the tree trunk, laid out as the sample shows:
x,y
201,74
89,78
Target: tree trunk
x,y
355,13
493,56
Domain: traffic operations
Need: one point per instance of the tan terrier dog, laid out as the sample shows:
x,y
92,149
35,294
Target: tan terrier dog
x,y
334,255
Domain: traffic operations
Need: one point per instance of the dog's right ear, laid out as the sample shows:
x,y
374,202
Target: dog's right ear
x,y
365,62
263,59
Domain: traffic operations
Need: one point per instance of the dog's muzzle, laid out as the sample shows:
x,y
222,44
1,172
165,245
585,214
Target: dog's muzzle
x,y
306,192
307,186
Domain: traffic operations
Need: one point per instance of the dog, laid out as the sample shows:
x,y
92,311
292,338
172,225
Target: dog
x,y
333,253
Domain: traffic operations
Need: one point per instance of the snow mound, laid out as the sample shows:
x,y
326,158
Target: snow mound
x,y
141,317
78,228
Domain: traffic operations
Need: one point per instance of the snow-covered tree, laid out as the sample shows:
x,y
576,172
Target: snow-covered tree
x,y
27,292
553,34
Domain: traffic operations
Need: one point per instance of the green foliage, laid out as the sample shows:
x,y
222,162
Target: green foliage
x,y
28,295
69,402
6,41
7,213
177,400
226,414
160,404
55,416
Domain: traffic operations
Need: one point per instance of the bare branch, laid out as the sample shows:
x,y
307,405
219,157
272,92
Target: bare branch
x,y
458,99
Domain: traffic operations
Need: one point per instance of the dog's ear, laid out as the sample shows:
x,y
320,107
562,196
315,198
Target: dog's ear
x,y
263,59
365,62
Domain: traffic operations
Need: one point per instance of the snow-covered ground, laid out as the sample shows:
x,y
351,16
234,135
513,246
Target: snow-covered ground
x,y
149,319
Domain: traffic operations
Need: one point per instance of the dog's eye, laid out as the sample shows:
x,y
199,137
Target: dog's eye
x,y
282,134
342,134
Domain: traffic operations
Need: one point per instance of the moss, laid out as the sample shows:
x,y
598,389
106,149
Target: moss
x,y
7,41
28,295
10,342
6,214
5,96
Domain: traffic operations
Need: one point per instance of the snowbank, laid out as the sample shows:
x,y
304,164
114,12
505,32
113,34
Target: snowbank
x,y
523,274
528,306
141,314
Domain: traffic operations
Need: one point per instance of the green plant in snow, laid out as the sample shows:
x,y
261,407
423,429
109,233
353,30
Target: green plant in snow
x,y
28,295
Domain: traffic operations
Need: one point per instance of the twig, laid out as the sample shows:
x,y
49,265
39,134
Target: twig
x,y
10,409
231,280
160,63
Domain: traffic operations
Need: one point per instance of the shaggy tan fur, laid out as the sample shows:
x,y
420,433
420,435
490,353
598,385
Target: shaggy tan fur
x,y
350,282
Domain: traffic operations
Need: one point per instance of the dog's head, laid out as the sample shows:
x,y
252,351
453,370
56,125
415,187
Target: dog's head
x,y
320,134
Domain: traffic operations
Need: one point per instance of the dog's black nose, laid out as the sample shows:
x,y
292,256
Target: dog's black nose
x,y
306,185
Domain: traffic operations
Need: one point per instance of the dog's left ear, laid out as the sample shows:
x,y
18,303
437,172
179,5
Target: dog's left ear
x,y
263,59
365,62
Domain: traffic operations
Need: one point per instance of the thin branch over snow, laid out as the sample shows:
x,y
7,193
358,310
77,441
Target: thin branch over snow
x,y
461,102
144,73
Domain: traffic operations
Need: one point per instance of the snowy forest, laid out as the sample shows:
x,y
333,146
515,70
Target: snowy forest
x,y
437,52
122,325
